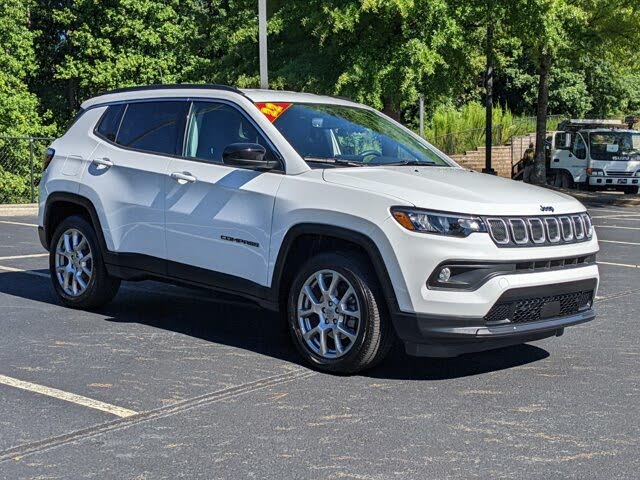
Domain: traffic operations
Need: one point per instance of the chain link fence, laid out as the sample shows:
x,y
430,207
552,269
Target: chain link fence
x,y
21,168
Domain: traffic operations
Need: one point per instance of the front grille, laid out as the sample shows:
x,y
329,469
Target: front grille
x,y
540,308
540,231
618,173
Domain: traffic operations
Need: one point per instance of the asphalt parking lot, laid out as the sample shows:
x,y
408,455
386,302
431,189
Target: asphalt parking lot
x,y
174,383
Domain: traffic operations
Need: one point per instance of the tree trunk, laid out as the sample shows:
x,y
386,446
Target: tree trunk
x,y
390,109
540,171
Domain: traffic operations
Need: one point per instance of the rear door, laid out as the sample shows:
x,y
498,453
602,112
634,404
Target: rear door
x,y
126,175
218,217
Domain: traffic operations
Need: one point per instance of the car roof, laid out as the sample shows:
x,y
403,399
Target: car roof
x,y
261,95
210,90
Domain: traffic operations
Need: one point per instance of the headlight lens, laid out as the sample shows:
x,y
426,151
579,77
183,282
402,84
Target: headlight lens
x,y
638,173
439,223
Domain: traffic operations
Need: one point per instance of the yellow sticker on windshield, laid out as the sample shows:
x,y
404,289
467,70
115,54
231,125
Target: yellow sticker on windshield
x,y
273,110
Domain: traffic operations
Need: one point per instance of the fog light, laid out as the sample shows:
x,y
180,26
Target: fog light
x,y
444,275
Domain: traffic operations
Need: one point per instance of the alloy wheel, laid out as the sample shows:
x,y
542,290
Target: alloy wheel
x,y
329,314
73,262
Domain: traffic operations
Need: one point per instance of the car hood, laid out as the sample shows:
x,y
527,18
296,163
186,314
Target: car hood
x,y
455,190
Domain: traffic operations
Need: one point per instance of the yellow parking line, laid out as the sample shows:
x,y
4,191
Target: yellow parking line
x,y
616,241
66,396
18,257
619,264
19,223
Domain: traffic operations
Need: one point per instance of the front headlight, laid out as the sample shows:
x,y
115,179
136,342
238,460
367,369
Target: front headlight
x,y
439,223
638,173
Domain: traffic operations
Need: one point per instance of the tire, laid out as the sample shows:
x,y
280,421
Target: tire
x,y
371,336
565,180
81,254
631,190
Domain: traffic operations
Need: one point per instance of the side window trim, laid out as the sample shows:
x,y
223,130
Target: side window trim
x,y
246,116
189,100
129,102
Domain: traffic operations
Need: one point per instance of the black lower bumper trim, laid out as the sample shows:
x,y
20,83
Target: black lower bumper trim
x,y
454,341
448,336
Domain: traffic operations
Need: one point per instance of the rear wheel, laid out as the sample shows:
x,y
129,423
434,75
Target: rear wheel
x,y
78,272
337,316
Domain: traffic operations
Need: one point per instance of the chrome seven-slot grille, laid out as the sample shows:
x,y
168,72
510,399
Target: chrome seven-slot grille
x,y
540,231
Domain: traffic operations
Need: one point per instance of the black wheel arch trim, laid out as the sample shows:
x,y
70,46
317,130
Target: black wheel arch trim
x,y
341,233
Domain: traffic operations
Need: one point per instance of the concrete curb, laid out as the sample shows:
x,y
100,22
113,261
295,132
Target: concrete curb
x,y
18,210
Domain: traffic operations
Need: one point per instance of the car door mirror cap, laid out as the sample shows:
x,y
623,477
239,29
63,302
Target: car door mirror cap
x,y
247,155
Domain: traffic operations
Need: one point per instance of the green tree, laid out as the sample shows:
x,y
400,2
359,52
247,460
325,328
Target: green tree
x,y
87,47
19,114
570,31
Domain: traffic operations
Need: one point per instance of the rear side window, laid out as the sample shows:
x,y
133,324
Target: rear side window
x,y
153,126
110,121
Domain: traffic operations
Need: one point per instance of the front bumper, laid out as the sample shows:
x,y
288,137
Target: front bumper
x,y
614,181
448,336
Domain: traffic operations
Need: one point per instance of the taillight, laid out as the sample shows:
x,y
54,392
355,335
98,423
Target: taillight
x,y
48,156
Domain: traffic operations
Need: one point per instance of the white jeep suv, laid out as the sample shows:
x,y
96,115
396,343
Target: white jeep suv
x,y
355,228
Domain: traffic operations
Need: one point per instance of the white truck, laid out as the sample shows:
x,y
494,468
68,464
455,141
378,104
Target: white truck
x,y
595,155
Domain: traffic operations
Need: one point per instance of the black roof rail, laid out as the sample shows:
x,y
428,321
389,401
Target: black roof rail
x,y
206,86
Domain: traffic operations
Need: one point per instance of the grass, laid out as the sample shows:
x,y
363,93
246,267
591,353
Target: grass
x,y
459,130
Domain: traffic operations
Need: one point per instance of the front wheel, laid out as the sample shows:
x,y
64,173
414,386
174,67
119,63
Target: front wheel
x,y
78,272
337,316
631,190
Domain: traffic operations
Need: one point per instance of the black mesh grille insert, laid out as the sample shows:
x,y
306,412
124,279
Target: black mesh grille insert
x,y
519,230
537,230
578,226
567,229
553,230
540,308
498,230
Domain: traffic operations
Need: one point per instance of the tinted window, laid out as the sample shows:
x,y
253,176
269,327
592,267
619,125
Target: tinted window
x,y
153,127
110,121
214,126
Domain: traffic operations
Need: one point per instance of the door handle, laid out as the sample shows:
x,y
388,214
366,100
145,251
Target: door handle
x,y
102,162
183,177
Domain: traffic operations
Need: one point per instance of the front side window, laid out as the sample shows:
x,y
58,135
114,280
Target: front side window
x,y
348,135
580,148
153,126
214,126
621,146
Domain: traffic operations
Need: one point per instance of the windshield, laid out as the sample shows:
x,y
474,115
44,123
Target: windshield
x,y
621,146
350,136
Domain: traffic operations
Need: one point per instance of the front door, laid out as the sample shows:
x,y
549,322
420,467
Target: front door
x,y
218,217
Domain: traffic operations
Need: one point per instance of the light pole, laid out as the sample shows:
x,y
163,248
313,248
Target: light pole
x,y
262,40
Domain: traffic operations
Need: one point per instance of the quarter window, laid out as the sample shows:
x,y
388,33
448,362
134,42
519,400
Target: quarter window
x,y
153,126
214,126
110,121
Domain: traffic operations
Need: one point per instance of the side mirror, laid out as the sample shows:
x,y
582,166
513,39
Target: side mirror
x,y
247,155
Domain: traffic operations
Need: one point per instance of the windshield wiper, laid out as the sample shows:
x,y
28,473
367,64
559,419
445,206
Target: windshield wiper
x,y
334,161
417,163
